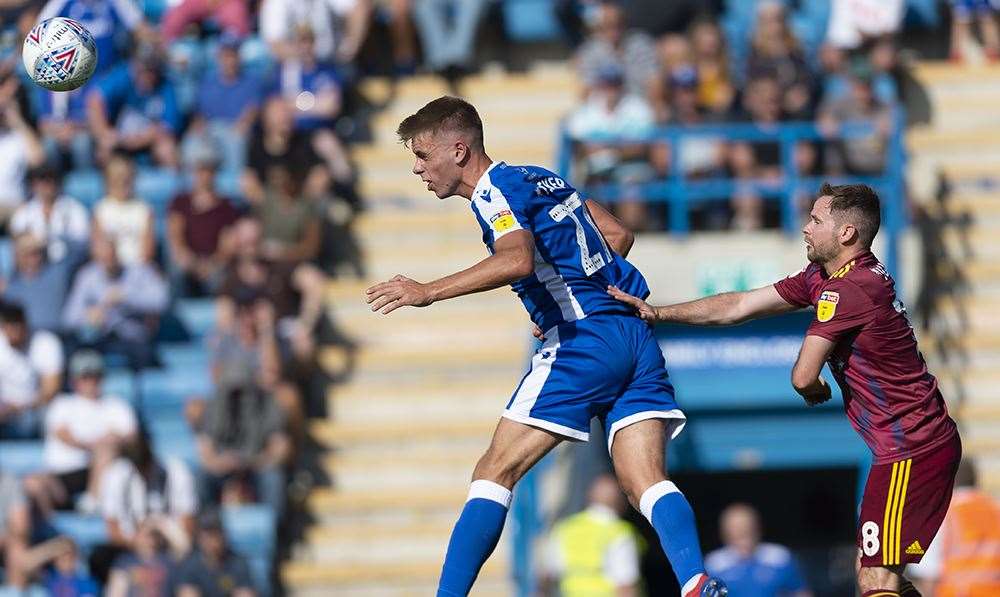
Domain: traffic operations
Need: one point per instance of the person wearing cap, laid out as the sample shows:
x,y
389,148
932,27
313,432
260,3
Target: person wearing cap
x,y
858,155
38,285
199,226
59,220
611,112
213,569
115,307
134,109
612,43
31,368
84,431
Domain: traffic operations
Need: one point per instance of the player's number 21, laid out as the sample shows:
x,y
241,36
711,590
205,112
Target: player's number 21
x,y
567,209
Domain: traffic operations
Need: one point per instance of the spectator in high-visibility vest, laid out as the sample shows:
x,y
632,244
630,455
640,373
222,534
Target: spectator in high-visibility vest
x,y
964,559
594,553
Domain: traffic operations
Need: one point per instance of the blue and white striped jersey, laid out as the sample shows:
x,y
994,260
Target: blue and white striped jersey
x,y
573,264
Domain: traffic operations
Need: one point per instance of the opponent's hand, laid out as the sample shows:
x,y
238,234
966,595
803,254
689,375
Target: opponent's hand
x,y
821,395
398,292
643,309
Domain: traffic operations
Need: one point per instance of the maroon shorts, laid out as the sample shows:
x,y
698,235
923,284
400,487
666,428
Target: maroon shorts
x,y
904,505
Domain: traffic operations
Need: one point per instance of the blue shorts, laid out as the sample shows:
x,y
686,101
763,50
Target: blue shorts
x,y
606,366
965,9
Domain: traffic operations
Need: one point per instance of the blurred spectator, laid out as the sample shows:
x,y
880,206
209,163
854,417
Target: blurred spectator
x,y
141,496
121,217
232,16
856,154
749,567
963,12
115,307
594,553
837,68
399,14
198,230
610,44
31,368
448,33
228,103
964,558
278,145
340,26
291,222
612,112
62,121
852,22
776,53
711,59
58,220
19,145
213,570
109,21
39,286
67,577
243,445
295,291
134,108
83,434
147,569
700,155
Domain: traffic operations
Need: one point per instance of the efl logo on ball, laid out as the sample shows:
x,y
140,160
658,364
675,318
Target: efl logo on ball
x,y
59,54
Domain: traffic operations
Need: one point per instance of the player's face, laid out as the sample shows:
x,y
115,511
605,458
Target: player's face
x,y
436,164
820,233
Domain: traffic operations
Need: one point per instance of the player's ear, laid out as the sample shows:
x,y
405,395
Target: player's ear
x,y
461,153
848,234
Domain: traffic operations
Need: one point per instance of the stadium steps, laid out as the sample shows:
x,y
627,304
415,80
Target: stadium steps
x,y
961,145
427,385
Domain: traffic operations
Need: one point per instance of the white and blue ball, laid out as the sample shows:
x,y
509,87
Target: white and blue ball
x,y
59,54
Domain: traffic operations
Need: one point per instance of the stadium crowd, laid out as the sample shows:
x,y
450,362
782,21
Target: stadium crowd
x,y
210,158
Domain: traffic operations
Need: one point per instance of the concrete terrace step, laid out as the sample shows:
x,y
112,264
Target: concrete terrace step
x,y
935,141
305,574
376,432
359,502
945,74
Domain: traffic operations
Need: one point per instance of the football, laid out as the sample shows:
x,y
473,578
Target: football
x,y
59,54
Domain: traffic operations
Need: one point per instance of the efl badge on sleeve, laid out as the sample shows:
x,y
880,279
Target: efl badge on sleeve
x,y
503,221
826,308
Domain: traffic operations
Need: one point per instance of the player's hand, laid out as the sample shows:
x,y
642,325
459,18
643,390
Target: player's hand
x,y
820,396
538,333
643,309
398,292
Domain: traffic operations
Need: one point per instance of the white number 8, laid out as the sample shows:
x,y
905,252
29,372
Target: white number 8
x,y
869,538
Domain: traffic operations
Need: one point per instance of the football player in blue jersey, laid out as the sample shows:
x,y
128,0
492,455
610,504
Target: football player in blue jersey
x,y
559,253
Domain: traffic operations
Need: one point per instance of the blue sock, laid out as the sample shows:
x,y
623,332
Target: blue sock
x,y
475,536
666,508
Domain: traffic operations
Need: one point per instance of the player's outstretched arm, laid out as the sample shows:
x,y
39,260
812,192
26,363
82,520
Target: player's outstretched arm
x,y
618,237
728,308
513,258
805,374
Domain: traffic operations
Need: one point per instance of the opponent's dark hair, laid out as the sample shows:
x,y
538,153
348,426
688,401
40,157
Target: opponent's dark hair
x,y
859,205
446,113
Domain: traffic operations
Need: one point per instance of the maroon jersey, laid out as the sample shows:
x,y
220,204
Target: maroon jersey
x,y
891,399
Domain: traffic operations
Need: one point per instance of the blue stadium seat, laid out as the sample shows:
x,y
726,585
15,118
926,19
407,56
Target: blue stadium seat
x,y
251,533
157,187
172,438
20,458
183,355
6,257
120,383
530,20
86,531
179,385
197,315
85,185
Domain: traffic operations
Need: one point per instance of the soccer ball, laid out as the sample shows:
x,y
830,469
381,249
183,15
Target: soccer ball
x,y
59,54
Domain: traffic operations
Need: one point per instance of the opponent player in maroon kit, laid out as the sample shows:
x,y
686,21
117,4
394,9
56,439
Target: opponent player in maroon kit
x,y
892,400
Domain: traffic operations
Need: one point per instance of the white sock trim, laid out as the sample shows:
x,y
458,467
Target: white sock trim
x,y
692,583
488,490
653,495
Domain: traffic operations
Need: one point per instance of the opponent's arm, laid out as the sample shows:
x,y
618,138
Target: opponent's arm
x,y
618,237
513,259
728,308
805,374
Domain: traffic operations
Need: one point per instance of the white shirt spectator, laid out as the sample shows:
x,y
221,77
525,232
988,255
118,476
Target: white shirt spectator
x,y
125,223
21,371
631,116
69,220
13,167
128,499
87,421
279,18
853,20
